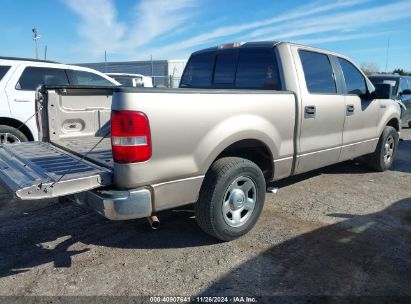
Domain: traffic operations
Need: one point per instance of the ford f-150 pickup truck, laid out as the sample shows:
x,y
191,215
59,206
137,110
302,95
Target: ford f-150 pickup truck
x,y
244,115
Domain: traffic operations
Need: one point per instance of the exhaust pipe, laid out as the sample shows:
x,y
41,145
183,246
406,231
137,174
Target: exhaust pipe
x,y
154,222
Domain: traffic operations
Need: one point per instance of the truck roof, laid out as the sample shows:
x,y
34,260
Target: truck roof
x,y
262,44
236,45
26,59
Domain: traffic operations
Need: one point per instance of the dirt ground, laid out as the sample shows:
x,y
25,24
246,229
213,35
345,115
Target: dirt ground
x,y
341,230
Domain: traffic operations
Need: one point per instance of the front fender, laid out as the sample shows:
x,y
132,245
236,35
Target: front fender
x,y
391,111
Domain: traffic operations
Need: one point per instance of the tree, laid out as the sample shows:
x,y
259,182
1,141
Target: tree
x,y
369,68
400,72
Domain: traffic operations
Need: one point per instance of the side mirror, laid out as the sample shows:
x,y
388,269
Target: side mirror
x,y
406,92
383,91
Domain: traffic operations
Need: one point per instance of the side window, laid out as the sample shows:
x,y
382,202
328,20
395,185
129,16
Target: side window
x,y
199,71
354,80
89,79
225,67
257,69
403,85
32,77
318,72
3,71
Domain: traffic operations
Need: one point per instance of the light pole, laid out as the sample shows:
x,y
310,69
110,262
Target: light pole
x,y
36,37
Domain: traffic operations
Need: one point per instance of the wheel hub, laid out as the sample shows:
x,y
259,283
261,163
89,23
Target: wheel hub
x,y
389,150
237,199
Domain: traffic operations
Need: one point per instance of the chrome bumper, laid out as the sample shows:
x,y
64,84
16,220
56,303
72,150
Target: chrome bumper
x,y
117,205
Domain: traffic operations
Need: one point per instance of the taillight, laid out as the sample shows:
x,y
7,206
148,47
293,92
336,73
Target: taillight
x,y
130,137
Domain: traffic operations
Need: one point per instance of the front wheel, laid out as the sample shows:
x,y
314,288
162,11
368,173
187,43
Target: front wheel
x,y
383,156
231,198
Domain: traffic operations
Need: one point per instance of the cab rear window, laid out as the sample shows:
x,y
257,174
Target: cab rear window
x,y
253,68
3,70
199,71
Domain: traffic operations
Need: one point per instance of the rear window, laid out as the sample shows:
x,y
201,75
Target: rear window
x,y
32,77
225,67
254,68
318,72
257,69
199,71
3,71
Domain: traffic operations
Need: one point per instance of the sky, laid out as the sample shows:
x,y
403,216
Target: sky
x,y
82,30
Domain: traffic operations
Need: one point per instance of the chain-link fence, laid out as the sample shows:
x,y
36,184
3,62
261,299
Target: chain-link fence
x,y
166,81
165,73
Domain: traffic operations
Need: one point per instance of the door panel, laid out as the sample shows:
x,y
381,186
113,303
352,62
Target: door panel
x,y
360,127
321,136
323,111
361,116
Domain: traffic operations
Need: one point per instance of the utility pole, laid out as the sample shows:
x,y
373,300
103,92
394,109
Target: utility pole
x,y
152,67
45,52
386,59
36,37
105,59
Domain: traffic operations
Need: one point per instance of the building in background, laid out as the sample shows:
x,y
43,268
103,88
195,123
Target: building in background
x,y
164,72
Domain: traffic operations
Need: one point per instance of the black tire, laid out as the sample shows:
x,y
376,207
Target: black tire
x,y
14,135
377,160
409,124
223,175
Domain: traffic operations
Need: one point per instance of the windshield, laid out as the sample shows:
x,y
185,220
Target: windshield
x,y
387,80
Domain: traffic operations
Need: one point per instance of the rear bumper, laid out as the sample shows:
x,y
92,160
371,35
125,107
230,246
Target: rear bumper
x,y
118,205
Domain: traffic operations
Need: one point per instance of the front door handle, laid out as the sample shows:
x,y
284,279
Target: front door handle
x,y
350,110
309,112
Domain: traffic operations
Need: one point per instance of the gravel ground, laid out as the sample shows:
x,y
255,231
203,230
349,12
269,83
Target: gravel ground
x,y
341,230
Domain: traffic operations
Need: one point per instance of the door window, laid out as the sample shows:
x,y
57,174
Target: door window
x,y
403,85
318,72
354,80
32,77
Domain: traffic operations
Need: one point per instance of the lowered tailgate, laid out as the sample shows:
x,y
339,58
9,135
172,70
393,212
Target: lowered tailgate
x,y
37,170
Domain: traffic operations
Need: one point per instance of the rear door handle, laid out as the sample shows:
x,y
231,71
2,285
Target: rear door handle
x,y
350,110
309,112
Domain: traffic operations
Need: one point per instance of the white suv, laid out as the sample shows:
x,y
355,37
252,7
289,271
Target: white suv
x,y
19,79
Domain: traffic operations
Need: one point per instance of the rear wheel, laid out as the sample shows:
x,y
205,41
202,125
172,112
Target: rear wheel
x,y
383,157
10,135
231,198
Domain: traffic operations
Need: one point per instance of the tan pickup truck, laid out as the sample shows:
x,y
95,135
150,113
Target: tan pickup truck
x,y
245,114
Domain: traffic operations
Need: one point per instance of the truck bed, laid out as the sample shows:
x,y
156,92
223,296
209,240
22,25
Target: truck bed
x,y
101,154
